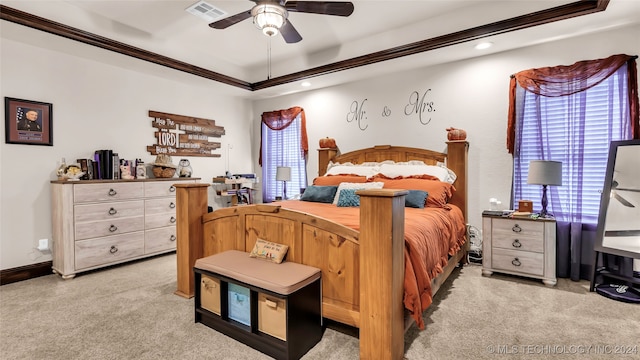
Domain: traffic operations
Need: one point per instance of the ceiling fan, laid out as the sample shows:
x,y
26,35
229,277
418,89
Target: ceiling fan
x,y
271,16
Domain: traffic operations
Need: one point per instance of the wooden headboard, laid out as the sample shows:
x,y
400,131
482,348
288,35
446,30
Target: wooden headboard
x,y
455,158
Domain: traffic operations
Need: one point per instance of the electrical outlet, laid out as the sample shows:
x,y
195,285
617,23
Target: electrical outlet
x,y
43,244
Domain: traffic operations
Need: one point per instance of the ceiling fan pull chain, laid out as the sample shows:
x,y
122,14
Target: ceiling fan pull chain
x,y
269,58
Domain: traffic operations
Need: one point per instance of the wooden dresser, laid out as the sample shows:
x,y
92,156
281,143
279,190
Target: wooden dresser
x,y
519,246
98,223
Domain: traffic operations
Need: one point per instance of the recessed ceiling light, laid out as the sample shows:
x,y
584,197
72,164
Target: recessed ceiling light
x,y
306,84
483,45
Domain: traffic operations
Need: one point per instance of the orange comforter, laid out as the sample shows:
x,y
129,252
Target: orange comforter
x,y
431,235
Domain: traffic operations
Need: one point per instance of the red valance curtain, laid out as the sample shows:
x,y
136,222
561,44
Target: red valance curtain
x,y
567,80
281,119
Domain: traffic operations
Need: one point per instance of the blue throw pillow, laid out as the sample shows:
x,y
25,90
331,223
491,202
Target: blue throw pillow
x,y
348,198
415,199
322,194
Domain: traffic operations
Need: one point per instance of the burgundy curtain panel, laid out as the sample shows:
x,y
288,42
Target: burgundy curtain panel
x,y
281,119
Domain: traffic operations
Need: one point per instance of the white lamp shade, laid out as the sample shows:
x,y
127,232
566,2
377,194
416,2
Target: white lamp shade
x,y
283,173
545,172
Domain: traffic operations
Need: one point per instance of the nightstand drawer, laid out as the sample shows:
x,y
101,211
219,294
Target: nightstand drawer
x,y
515,242
521,261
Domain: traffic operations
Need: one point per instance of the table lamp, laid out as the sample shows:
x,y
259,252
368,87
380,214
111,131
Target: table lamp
x,y
283,173
545,172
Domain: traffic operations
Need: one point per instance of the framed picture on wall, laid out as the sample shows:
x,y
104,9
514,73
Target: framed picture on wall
x,y
28,122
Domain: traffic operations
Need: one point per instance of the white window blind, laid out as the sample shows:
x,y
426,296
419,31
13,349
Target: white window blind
x,y
576,130
282,148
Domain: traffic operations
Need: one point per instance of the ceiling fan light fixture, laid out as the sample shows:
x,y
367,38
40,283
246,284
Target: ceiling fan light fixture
x,y
269,18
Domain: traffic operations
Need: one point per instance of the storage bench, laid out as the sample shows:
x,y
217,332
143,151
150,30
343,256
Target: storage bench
x,y
274,308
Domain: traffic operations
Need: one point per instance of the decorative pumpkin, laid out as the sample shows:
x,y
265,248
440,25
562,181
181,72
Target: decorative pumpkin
x,y
454,134
327,143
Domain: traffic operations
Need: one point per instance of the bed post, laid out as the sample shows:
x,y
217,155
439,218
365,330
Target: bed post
x,y
191,201
457,161
324,156
381,273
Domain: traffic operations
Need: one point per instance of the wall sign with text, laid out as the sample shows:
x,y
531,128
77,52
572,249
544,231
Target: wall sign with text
x,y
184,135
419,105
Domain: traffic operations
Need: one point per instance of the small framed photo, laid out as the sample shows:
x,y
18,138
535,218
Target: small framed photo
x,y
28,122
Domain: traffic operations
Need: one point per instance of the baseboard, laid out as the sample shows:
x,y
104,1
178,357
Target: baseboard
x,y
26,272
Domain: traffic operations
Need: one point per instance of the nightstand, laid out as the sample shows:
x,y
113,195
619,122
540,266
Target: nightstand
x,y
519,246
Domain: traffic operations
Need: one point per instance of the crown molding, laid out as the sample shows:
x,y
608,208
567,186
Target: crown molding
x,y
574,9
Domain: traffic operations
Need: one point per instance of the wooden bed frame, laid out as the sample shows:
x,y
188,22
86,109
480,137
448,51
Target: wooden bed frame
x,y
362,272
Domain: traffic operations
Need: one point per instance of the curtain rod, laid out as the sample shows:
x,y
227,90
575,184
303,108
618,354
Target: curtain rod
x,y
632,57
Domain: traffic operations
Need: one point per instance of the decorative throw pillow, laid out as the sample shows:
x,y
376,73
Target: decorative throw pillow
x,y
415,199
349,198
356,186
269,251
322,194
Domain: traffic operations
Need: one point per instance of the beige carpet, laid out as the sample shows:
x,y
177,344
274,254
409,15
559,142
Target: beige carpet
x,y
130,312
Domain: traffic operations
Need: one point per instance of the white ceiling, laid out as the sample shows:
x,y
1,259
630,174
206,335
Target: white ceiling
x,y
240,51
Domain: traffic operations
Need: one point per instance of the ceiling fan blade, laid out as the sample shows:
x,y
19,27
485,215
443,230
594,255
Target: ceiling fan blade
x,y
622,200
338,8
289,33
228,21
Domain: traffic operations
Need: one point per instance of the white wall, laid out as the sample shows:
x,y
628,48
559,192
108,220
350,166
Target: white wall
x,y
471,94
95,106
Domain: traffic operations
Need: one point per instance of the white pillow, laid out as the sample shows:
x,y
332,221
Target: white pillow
x,y
394,170
452,175
357,186
351,169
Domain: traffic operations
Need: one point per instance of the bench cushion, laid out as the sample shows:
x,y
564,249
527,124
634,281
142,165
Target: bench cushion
x,y
284,278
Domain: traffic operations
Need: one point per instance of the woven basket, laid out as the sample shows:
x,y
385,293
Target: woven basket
x,y
163,172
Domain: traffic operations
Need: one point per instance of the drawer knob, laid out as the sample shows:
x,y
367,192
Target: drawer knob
x,y
516,243
172,220
172,238
113,211
516,228
112,192
172,205
113,228
516,262
114,249
172,188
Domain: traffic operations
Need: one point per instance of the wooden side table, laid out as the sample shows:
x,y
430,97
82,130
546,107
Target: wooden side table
x,y
519,246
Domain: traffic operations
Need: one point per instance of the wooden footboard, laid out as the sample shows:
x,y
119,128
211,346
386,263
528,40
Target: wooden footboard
x,y
362,272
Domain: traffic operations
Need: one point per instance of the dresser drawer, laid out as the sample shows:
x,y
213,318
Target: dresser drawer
x,y
88,230
160,206
161,239
108,250
518,235
159,188
525,262
159,220
108,210
107,192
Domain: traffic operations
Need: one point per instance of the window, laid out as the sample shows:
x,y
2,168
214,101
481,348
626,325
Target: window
x,y
283,148
575,129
